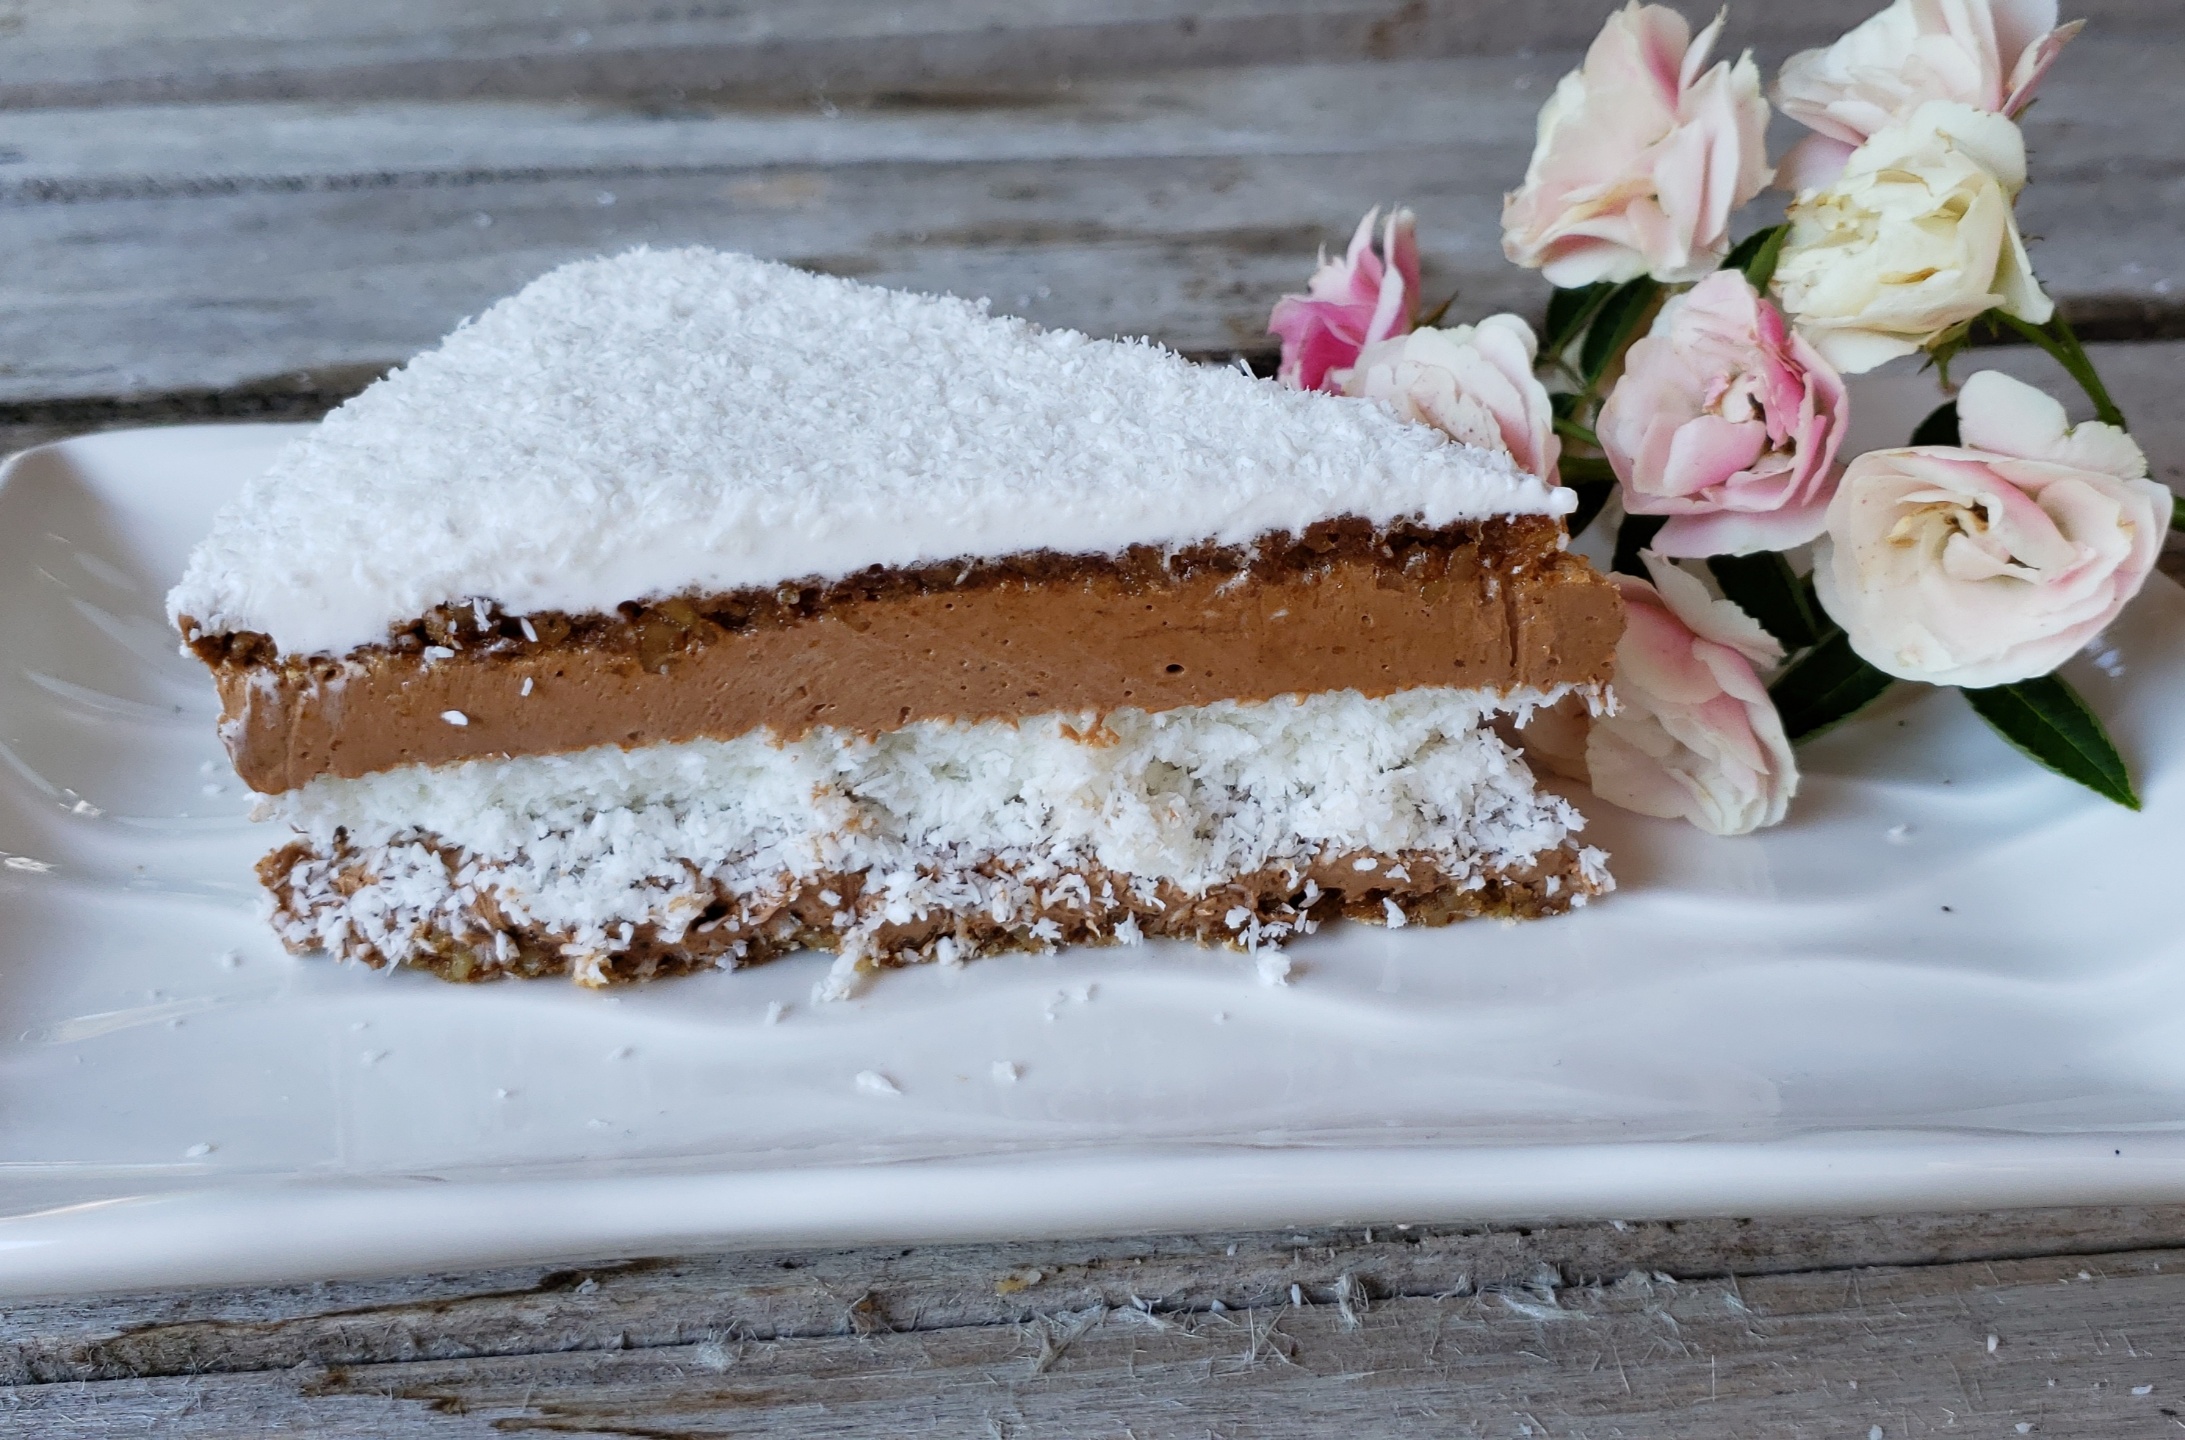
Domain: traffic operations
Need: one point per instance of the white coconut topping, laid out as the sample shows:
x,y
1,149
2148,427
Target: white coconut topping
x,y
672,421
594,844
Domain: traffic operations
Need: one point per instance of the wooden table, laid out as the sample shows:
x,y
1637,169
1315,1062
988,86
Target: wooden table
x,y
251,208
1918,1325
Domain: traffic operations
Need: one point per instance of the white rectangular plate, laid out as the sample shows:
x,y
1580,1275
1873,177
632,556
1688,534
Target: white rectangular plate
x,y
1950,980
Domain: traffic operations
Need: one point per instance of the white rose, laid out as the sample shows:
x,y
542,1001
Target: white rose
x,y
1991,561
1989,54
1915,238
1474,383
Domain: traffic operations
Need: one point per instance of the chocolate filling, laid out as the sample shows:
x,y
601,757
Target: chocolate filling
x,y
1343,606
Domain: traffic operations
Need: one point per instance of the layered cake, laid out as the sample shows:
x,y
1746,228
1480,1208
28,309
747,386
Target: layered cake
x,y
685,609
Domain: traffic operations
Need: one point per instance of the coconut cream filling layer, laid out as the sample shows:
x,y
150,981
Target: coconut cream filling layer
x,y
594,845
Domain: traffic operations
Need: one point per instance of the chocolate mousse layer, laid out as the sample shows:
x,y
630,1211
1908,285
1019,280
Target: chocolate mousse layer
x,y
1343,606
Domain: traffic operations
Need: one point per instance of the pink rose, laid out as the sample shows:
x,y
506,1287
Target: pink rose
x,y
1349,304
1989,54
1727,423
1991,561
1474,383
1694,735
1641,157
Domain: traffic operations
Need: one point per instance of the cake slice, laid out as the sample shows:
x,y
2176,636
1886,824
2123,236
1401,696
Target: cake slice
x,y
685,609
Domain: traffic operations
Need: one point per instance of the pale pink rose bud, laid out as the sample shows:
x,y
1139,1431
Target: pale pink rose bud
x,y
1642,154
1727,423
1349,303
1474,383
1694,735
1992,561
1989,54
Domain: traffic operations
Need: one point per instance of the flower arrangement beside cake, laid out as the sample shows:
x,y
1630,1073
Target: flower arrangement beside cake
x,y
1692,389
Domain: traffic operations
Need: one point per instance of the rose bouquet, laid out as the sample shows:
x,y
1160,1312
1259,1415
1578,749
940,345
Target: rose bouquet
x,y
1692,389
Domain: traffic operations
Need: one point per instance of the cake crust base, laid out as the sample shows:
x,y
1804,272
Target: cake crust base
x,y
1075,906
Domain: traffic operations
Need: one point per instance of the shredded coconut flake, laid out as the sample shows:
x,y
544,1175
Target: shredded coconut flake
x,y
965,818
669,421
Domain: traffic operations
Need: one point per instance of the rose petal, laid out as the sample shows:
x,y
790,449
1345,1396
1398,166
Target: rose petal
x,y
1720,410
1641,155
1475,383
1349,304
1707,745
1958,566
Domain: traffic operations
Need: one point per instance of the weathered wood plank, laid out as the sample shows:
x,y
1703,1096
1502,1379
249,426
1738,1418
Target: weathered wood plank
x,y
766,1296
93,52
138,152
219,249
2065,1345
214,259
252,242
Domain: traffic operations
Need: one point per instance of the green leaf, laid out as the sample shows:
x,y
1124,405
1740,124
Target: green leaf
x,y
1756,255
1766,588
1592,496
1742,253
2046,721
1826,685
2177,512
1622,317
1572,430
1940,426
1635,534
1580,469
1568,312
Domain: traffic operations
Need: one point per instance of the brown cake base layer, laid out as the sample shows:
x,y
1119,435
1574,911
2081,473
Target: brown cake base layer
x,y
1088,906
1493,605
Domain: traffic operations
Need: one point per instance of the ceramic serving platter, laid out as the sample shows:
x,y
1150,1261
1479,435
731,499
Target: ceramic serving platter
x,y
1949,980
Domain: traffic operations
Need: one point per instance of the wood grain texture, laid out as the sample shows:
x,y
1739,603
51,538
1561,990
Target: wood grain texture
x,y
1704,1329
246,209
210,247
99,52
768,1296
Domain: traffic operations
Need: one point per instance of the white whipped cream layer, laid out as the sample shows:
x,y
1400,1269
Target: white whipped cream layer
x,y
593,843
672,421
